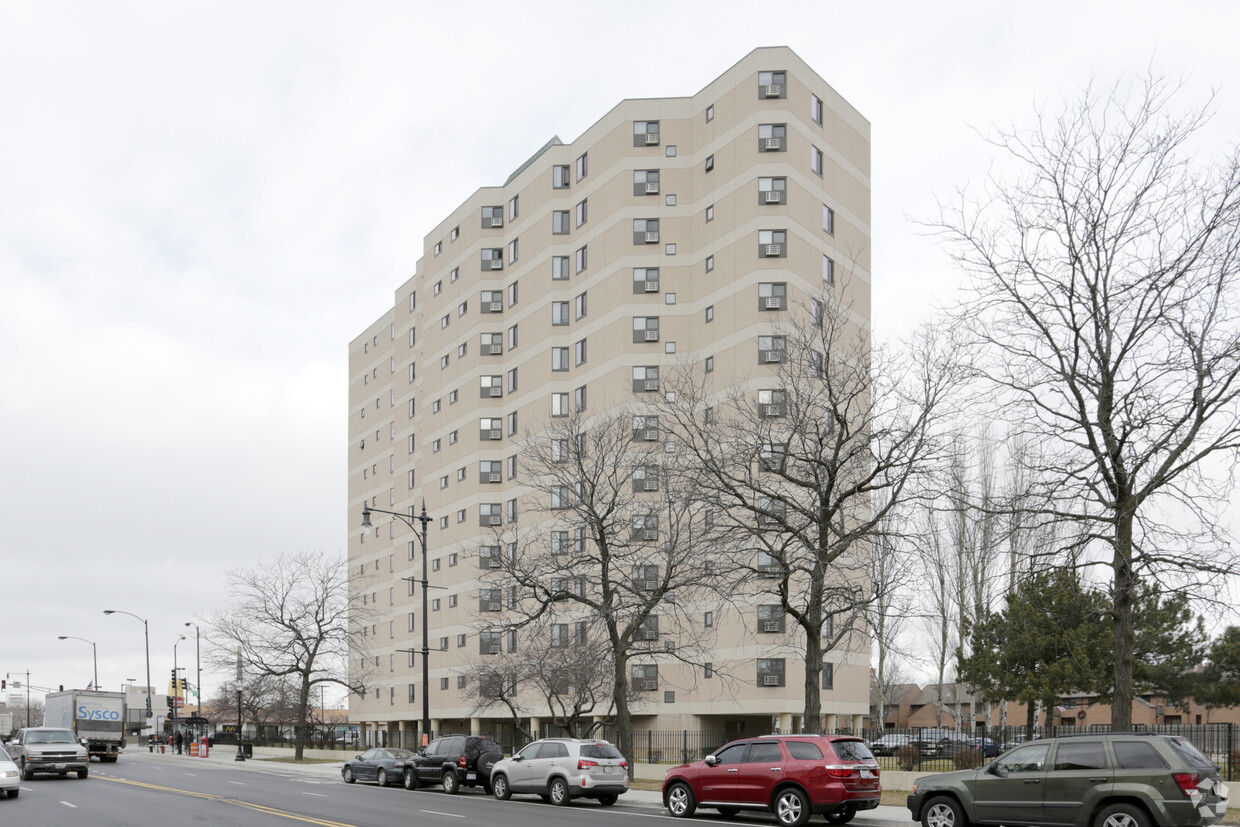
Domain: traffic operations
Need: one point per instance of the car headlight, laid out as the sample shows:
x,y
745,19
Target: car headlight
x,y
8,774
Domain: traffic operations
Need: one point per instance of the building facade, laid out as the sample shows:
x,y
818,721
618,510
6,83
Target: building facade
x,y
674,229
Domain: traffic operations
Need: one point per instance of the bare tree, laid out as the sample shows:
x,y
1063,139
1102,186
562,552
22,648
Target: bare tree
x,y
289,625
615,542
1104,297
804,464
893,578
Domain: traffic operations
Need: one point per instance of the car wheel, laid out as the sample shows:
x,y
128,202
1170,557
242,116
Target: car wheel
x,y
451,784
27,773
382,778
728,812
1122,815
83,773
410,780
791,807
680,802
559,792
607,800
842,816
347,772
942,811
499,787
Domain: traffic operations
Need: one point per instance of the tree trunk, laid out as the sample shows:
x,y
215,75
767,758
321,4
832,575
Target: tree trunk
x,y
303,703
1125,586
811,718
620,690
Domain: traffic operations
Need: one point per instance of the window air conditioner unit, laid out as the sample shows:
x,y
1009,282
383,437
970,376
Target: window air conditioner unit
x,y
773,249
493,650
770,680
652,287
497,350
493,478
652,138
773,90
495,391
772,197
772,410
773,143
496,307
652,188
494,434
650,585
650,534
653,237
774,303
651,435
492,607
650,485
497,264
771,356
493,521
650,686
652,384
770,626
497,221
649,634
652,335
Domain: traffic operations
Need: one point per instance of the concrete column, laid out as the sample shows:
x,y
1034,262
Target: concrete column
x,y
785,722
857,722
535,723
475,726
407,739
436,726
833,722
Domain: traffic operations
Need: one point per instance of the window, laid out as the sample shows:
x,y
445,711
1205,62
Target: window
x,y
581,306
645,527
492,301
709,670
828,270
828,676
559,358
710,162
454,275
488,558
771,349
773,296
828,220
492,344
559,268
772,137
513,294
514,207
559,635
580,352
559,177
645,478
490,428
710,264
644,677
645,329
645,279
559,450
583,212
771,456
489,514
435,601
455,234
708,619
645,379
492,258
452,438
771,402
710,364
645,231
512,467
1137,755
452,601
772,243
645,182
579,399
583,166
710,314
512,380
645,133
671,151
438,247
646,428
489,471
1080,756
710,113
772,85
815,160
492,217
512,424
770,619
559,313
772,190
514,251
815,312
770,671
815,109
444,322
512,337
559,222
582,260
559,404
435,406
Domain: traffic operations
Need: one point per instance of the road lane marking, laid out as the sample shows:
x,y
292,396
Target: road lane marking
x,y
235,802
320,795
67,804
238,783
436,813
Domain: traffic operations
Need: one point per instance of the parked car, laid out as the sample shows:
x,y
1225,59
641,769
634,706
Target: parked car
x,y
940,742
49,749
10,775
1118,779
378,765
561,769
889,744
987,746
792,776
454,761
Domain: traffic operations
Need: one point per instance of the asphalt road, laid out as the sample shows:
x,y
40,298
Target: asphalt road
x,y
143,789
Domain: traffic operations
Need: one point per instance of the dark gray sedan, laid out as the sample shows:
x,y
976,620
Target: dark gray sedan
x,y
375,765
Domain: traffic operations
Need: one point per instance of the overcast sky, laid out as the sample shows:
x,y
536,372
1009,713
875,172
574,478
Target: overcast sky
x,y
202,203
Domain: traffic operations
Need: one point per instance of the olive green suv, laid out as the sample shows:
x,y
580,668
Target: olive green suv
x,y
1103,780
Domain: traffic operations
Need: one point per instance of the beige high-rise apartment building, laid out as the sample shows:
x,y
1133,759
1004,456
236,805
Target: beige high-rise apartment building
x,y
674,229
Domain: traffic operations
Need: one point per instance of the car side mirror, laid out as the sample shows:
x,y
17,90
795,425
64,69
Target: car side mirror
x,y
711,761
997,769
518,758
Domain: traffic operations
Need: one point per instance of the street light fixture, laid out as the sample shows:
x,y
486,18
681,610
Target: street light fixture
x,y
94,650
426,641
146,630
198,667
176,676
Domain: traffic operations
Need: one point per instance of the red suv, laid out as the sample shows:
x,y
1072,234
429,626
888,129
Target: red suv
x,y
792,776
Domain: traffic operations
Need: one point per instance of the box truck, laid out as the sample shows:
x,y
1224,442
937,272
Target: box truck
x,y
97,718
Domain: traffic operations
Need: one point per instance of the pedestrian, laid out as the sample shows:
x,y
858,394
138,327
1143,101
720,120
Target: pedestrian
x,y
180,741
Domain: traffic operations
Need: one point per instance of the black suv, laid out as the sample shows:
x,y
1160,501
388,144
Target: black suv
x,y
454,760
1117,779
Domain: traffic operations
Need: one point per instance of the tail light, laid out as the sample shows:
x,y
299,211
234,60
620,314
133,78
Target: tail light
x,y
462,762
1186,781
840,770
585,763
624,764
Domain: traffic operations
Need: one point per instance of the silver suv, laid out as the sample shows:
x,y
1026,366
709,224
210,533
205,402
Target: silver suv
x,y
48,749
561,769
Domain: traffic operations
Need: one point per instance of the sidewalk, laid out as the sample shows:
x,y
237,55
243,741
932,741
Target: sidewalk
x,y
225,758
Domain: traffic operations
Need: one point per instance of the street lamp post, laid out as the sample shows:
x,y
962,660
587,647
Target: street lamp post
x,y
426,641
198,667
176,677
146,630
93,649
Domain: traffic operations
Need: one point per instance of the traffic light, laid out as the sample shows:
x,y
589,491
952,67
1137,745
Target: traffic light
x,y
183,686
4,684
62,688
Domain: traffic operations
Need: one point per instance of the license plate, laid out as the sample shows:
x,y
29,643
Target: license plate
x,y
470,776
867,773
609,769
60,766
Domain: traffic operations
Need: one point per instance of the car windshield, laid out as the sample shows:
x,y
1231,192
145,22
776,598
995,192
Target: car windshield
x,y
400,754
852,750
1191,754
51,736
4,756
599,751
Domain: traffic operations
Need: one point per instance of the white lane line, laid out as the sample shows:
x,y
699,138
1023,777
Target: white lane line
x,y
435,813
238,783
67,804
320,795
